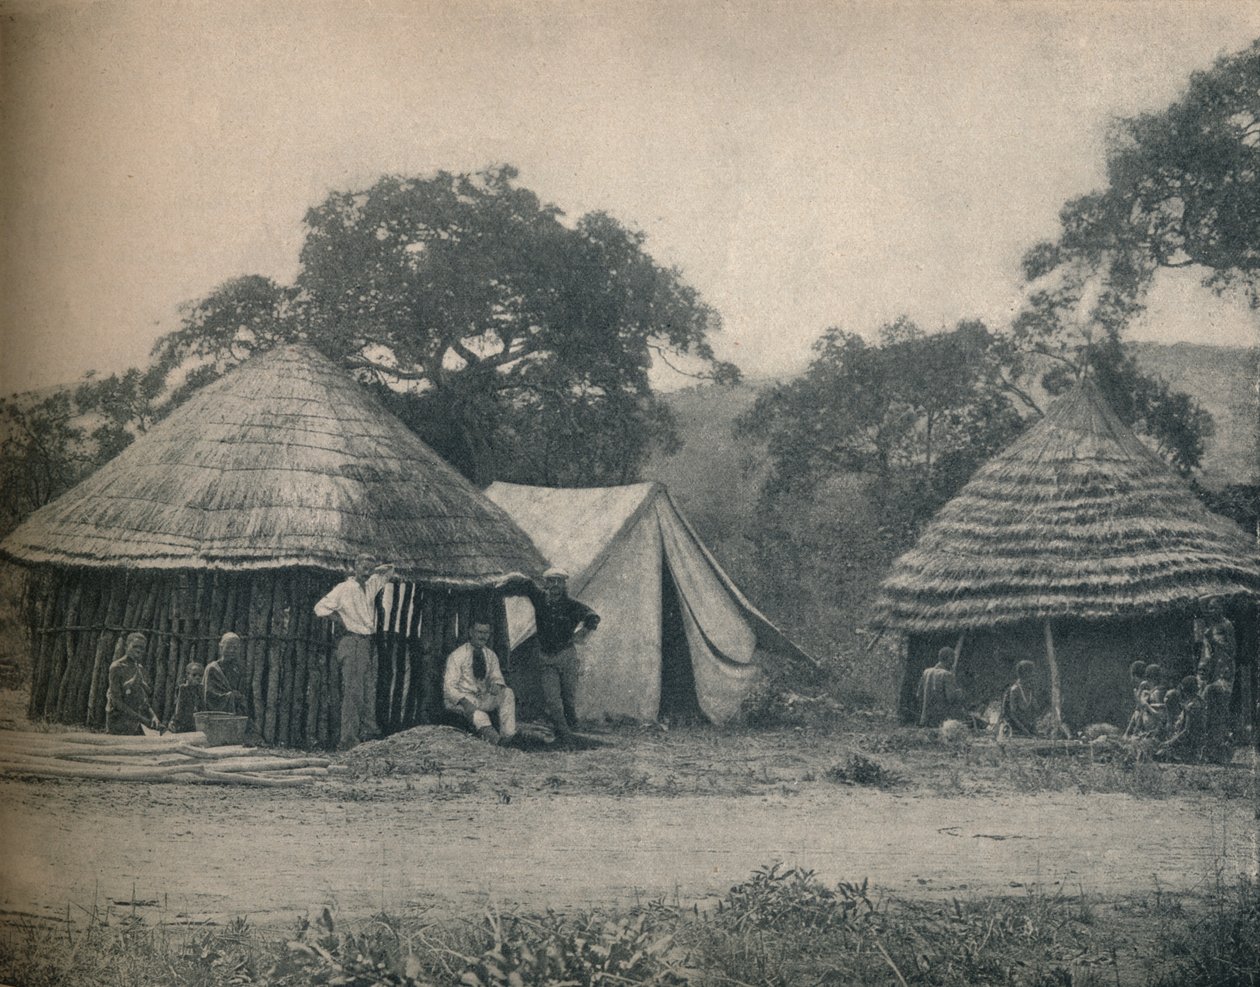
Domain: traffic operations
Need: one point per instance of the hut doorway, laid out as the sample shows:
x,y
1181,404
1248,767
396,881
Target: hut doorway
x,y
679,703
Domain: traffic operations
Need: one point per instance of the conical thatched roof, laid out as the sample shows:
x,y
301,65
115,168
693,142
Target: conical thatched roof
x,y
1077,518
285,461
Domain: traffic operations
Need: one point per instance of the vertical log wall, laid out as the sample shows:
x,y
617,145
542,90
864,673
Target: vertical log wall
x,y
78,618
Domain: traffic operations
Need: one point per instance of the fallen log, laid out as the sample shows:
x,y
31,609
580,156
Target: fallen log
x,y
262,781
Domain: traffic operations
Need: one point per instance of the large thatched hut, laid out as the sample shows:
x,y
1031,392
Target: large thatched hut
x,y
238,512
1079,548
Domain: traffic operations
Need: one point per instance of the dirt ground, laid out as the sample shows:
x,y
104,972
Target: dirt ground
x,y
434,819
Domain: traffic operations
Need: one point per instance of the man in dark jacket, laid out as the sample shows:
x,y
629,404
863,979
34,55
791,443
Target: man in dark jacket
x,y
560,622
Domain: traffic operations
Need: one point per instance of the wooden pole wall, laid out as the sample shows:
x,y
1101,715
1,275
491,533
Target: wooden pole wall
x,y
77,619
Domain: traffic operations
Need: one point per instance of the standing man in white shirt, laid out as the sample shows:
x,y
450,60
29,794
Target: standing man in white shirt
x,y
353,603
474,687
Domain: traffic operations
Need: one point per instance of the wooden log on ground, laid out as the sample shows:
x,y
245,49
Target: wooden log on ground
x,y
260,781
256,765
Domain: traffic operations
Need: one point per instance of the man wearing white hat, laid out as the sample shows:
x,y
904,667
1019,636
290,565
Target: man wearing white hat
x,y
561,622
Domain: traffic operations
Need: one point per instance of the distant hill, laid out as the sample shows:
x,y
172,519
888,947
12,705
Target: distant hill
x,y
1223,379
717,477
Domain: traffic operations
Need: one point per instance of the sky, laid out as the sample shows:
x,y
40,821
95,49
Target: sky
x,y
804,163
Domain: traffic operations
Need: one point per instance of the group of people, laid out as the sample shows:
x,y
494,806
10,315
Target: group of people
x,y
473,686
129,699
941,699
1189,719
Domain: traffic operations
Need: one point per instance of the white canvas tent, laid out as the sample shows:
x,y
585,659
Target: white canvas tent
x,y
668,611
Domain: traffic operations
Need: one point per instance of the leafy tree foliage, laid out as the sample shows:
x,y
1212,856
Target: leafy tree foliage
x,y
43,453
919,412
513,343
1183,190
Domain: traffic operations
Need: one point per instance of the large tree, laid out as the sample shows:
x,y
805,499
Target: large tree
x,y
515,343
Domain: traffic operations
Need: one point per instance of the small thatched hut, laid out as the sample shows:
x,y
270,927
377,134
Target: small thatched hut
x,y
1079,548
238,512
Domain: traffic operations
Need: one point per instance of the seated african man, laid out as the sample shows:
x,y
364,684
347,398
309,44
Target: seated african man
x,y
938,694
473,686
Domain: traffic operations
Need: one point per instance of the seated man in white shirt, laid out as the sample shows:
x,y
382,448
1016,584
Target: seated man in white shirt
x,y
473,686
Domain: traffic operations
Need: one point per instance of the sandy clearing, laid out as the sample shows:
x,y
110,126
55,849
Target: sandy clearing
x,y
205,853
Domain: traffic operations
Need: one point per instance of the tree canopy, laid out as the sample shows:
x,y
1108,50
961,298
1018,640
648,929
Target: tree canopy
x,y
515,344
1183,191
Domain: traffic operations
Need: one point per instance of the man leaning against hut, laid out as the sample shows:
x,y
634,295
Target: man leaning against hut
x,y
353,604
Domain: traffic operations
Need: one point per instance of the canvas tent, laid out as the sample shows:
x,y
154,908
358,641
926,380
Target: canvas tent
x,y
1079,548
237,512
675,631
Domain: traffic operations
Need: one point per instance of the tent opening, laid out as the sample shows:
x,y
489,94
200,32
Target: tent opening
x,y
679,703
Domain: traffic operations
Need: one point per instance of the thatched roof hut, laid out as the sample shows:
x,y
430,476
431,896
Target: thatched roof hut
x,y
1079,527
238,511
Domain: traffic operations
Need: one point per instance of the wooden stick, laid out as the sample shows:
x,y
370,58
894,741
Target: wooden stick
x,y
425,705
78,666
256,642
958,651
1056,695
277,625
42,644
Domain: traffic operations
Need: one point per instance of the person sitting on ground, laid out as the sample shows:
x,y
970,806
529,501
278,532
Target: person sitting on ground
x,y
939,696
1018,706
189,699
128,706
1186,742
473,686
1151,702
1172,712
223,684
1137,676
561,622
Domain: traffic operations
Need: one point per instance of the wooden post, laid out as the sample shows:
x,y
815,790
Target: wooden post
x,y
426,703
63,652
77,680
1056,693
41,645
274,655
112,619
259,613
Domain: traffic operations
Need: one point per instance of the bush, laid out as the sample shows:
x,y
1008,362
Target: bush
x,y
790,899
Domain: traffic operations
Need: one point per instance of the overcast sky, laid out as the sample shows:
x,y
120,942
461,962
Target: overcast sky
x,y
804,163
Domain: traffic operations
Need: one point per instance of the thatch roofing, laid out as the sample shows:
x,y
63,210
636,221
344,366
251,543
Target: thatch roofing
x,y
1076,518
285,461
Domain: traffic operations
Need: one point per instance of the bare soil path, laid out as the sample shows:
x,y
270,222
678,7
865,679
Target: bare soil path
x,y
198,853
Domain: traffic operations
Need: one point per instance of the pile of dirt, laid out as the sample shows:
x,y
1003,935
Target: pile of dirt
x,y
430,750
